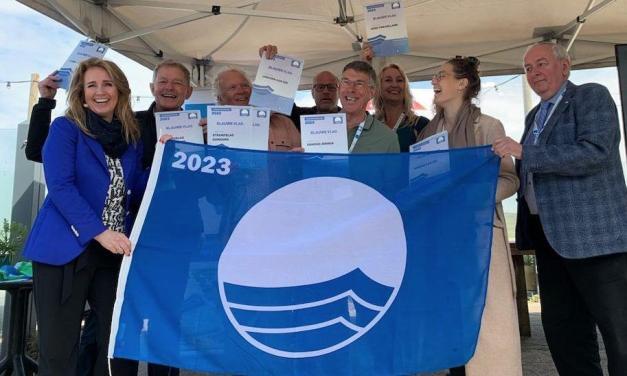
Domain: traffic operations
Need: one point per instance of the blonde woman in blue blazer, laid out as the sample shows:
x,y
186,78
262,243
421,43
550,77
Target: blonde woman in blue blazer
x,y
92,164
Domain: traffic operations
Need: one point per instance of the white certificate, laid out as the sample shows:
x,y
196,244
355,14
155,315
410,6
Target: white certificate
x,y
438,141
182,125
83,51
386,28
429,164
325,133
242,127
276,83
199,100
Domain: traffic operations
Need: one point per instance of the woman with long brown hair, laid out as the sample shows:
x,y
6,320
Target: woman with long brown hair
x,y
92,165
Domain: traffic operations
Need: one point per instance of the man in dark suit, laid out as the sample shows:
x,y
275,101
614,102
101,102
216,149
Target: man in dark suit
x,y
572,209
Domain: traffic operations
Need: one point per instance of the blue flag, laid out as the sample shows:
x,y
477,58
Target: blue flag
x,y
249,262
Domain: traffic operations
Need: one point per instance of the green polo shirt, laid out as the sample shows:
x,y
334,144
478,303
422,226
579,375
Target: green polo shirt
x,y
376,138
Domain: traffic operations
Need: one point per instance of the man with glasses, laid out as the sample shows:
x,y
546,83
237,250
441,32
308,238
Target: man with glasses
x,y
324,93
365,133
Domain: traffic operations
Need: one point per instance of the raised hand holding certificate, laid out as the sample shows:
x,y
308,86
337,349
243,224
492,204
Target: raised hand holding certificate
x,y
182,125
325,133
276,83
386,28
242,127
83,51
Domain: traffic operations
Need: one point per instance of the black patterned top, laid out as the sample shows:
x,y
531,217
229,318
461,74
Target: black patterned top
x,y
114,210
407,132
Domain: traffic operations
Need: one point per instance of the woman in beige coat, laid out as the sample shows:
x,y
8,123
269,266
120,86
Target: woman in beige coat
x,y
498,347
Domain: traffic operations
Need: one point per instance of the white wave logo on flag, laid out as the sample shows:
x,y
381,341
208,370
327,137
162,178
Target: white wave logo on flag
x,y
312,267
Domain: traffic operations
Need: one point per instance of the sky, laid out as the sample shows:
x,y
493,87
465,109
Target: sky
x,y
32,43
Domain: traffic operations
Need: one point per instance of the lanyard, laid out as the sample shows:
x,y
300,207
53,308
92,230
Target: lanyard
x,y
537,130
399,121
357,135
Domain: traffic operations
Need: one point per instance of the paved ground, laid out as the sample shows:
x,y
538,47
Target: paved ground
x,y
535,353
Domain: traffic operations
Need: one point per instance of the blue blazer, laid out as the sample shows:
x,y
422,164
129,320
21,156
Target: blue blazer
x,y
578,177
78,180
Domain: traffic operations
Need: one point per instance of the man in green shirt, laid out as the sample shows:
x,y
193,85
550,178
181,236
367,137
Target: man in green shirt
x,y
365,133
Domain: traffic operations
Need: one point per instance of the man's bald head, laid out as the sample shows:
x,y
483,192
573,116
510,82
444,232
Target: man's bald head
x,y
324,92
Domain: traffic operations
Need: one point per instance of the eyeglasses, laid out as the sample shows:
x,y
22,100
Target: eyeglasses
x,y
359,84
322,87
440,75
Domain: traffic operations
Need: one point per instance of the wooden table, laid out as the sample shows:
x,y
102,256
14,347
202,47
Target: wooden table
x,y
521,289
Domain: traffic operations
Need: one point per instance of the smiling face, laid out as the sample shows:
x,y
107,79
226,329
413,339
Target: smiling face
x,y
392,85
101,95
545,72
324,92
235,89
355,91
447,88
170,89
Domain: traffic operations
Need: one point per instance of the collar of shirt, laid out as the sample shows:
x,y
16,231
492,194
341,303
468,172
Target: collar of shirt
x,y
558,94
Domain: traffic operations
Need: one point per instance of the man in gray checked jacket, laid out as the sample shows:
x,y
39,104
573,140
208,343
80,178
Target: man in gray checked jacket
x,y
572,209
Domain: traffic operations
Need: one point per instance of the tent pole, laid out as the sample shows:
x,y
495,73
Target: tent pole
x,y
336,60
161,25
482,53
130,26
443,57
582,17
579,26
68,16
527,98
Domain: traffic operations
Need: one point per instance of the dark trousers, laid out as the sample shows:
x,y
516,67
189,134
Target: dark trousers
x,y
88,353
60,294
88,345
457,371
127,367
577,295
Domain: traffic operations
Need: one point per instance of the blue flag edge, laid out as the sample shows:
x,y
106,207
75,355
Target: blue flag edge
x,y
135,232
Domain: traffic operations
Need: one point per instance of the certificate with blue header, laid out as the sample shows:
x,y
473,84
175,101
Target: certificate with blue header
x,y
83,51
276,83
182,125
429,164
324,133
386,28
438,141
242,127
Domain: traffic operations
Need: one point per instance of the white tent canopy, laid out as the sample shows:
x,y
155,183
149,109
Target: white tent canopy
x,y
207,35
